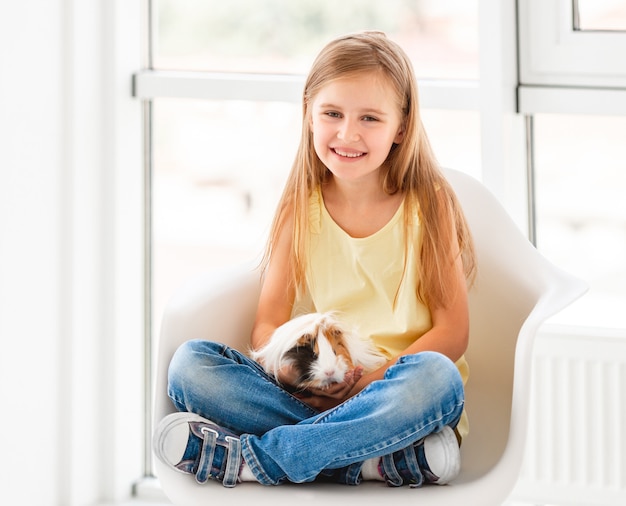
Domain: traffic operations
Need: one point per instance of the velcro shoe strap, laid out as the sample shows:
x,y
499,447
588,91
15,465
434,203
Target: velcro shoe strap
x,y
206,455
416,477
392,477
233,462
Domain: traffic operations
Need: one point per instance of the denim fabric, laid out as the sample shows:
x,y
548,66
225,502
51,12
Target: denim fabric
x,y
283,439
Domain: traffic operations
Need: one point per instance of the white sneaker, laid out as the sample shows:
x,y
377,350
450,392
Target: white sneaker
x,y
194,445
443,456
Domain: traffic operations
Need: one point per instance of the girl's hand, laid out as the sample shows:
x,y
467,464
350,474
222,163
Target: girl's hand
x,y
334,394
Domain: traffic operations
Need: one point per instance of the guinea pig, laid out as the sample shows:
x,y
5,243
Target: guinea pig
x,y
319,348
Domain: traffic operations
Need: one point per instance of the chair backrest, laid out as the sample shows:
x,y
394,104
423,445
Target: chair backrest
x,y
218,306
515,291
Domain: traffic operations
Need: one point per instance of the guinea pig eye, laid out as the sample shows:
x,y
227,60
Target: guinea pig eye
x,y
312,344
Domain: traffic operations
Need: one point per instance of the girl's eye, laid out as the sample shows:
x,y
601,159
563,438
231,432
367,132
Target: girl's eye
x,y
333,114
369,118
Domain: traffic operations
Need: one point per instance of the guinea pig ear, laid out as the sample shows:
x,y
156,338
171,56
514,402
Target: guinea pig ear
x,y
336,332
305,339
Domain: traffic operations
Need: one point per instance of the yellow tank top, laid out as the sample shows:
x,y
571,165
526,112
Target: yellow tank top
x,y
364,280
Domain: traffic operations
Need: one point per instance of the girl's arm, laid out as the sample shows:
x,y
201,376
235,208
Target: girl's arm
x,y
276,298
449,334
277,291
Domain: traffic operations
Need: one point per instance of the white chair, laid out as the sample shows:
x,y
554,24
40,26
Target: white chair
x,y
515,292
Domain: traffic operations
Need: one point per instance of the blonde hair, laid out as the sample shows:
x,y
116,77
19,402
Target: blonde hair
x,y
410,168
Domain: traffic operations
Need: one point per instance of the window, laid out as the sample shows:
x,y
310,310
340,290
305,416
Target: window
x,y
283,36
219,168
573,87
580,164
600,15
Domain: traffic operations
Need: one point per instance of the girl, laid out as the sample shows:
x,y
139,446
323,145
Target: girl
x,y
367,226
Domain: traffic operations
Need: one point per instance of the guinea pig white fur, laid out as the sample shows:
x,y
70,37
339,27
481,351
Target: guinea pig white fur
x,y
319,348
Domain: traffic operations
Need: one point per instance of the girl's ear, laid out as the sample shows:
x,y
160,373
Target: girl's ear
x,y
400,135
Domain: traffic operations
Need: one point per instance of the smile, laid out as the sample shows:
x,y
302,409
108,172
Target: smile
x,y
347,154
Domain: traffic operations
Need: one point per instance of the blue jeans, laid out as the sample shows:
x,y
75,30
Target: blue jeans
x,y
284,439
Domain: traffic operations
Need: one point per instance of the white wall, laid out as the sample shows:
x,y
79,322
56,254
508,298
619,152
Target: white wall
x,y
70,251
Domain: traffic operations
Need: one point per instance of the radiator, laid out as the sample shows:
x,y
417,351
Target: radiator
x,y
576,448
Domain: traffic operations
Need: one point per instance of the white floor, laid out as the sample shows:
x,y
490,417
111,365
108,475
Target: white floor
x,y
162,502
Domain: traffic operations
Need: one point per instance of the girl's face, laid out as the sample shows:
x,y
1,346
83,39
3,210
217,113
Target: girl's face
x,y
355,121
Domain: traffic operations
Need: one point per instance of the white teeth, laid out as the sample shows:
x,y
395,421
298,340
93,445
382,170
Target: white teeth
x,y
348,155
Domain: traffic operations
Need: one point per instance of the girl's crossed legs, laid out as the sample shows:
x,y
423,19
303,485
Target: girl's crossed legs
x,y
283,439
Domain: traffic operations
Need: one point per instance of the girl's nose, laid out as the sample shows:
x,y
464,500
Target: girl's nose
x,y
348,131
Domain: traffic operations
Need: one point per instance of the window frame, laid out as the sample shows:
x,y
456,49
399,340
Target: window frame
x,y
151,84
554,53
